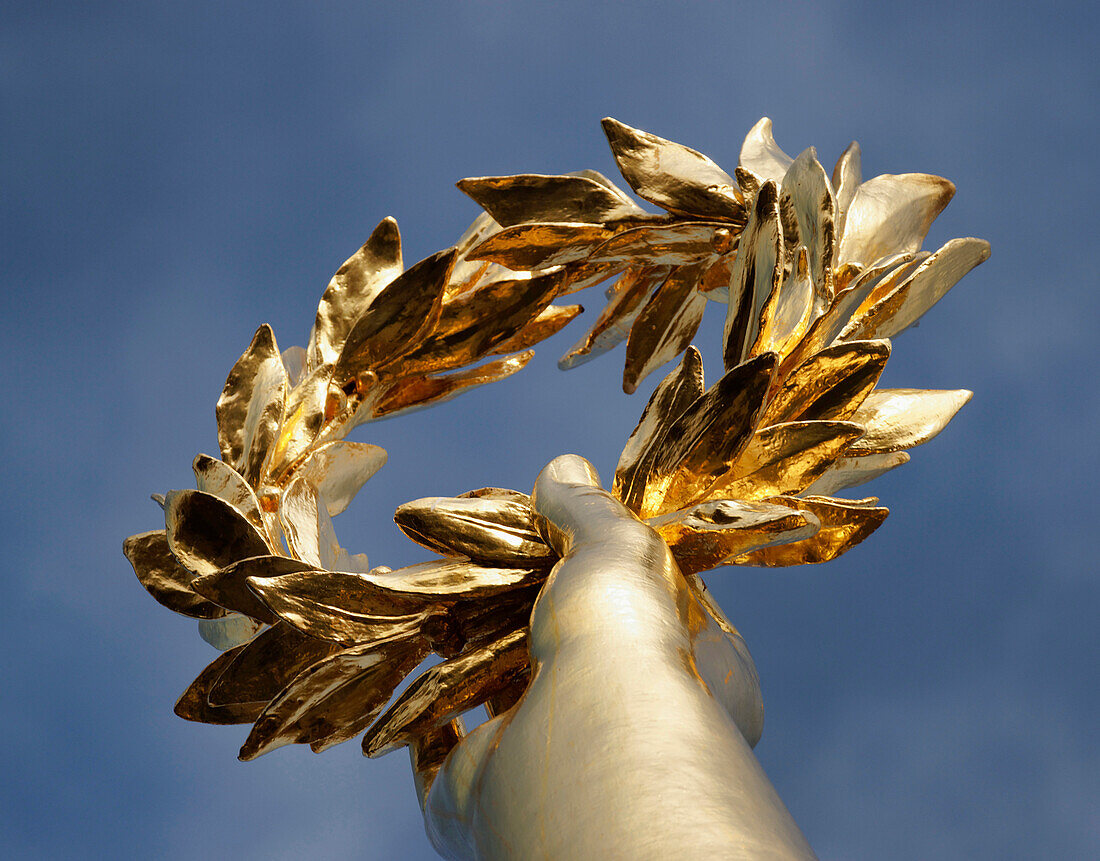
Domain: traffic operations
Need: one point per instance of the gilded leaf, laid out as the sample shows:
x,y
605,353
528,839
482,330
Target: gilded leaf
x,y
294,362
352,685
454,579
417,392
305,417
784,459
472,324
715,283
448,689
674,394
665,325
228,587
847,177
830,326
891,214
250,408
229,631
466,273
676,178
575,277
896,419
844,524
164,578
853,471
762,157
678,244
551,320
928,284
340,607
488,530
206,533
357,705
794,310
194,705
541,245
399,315
428,753
535,197
707,437
266,665
339,469
756,279
807,191
352,607
308,528
613,324
472,624
705,535
351,291
829,385
218,478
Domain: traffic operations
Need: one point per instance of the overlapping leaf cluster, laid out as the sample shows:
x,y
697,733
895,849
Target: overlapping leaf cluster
x,y
316,640
816,273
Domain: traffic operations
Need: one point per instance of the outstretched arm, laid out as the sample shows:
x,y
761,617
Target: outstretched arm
x,y
633,738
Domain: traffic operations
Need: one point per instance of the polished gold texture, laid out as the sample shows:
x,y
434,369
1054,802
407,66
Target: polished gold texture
x,y
817,271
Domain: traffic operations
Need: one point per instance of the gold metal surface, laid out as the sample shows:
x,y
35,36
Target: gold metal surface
x,y
891,215
807,192
847,176
250,408
674,394
338,604
830,385
666,245
397,317
535,197
194,704
541,245
336,695
206,533
613,324
351,291
665,325
219,479
849,472
704,440
164,577
844,523
756,278
903,306
447,690
228,587
485,529
551,320
706,535
264,666
418,391
673,176
575,615
761,156
303,421
473,323
896,419
784,459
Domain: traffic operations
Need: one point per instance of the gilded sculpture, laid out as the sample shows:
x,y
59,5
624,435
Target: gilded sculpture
x,y
814,273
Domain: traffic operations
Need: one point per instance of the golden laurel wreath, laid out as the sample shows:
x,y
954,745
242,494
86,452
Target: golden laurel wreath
x,y
816,273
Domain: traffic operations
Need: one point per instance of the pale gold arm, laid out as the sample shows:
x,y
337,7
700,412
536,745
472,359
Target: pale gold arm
x,y
621,747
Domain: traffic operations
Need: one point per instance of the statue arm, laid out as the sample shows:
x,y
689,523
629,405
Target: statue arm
x,y
627,743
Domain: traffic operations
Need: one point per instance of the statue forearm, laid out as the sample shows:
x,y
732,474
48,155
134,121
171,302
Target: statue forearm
x,y
619,747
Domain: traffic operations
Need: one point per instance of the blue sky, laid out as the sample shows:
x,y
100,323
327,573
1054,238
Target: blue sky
x,y
173,175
